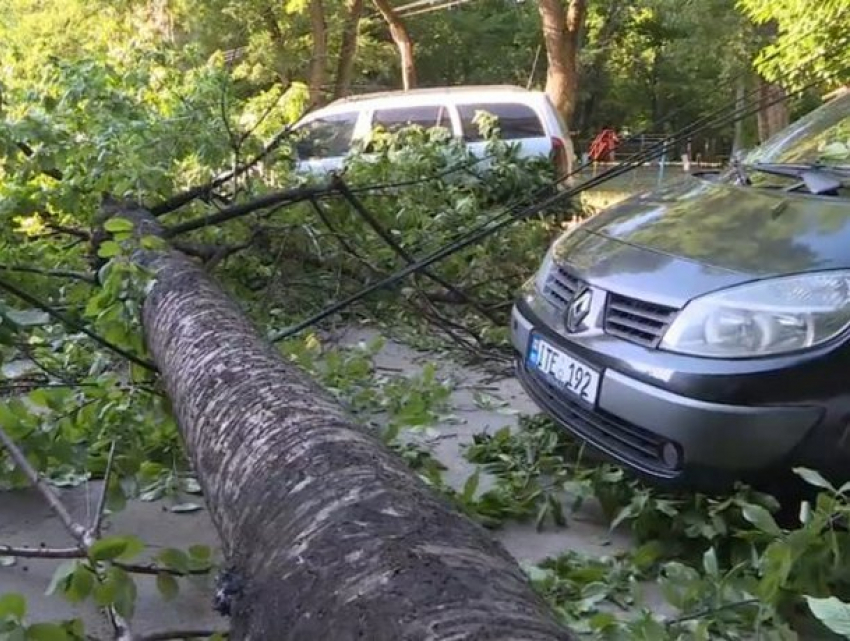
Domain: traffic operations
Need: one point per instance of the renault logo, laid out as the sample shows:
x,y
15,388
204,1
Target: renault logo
x,y
578,310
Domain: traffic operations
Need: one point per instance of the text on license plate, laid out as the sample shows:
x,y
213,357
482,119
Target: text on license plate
x,y
570,375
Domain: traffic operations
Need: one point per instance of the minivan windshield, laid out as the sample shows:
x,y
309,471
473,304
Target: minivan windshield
x,y
821,137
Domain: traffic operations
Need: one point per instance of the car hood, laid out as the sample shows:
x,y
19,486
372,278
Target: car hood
x,y
697,236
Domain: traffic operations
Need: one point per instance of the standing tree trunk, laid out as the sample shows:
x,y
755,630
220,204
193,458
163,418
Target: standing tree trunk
x,y
348,49
319,57
740,106
773,109
327,534
401,37
273,27
562,32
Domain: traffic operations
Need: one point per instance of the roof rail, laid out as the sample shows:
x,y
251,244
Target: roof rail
x,y
428,91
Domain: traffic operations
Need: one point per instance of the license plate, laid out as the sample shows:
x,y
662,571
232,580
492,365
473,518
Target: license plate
x,y
567,373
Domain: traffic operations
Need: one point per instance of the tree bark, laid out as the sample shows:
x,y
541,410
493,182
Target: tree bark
x,y
562,31
327,534
348,49
273,27
771,117
402,40
319,58
740,106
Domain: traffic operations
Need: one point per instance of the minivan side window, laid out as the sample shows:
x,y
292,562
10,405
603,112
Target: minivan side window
x,y
327,137
426,116
515,120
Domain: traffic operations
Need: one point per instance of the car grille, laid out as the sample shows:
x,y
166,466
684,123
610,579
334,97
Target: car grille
x,y
637,320
631,319
560,287
606,432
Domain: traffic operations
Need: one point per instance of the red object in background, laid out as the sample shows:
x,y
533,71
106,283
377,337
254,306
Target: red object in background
x,y
602,147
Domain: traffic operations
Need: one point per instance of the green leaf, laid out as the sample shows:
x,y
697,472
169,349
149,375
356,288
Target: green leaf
x,y
167,585
174,559
81,585
814,478
761,518
709,562
108,548
109,249
61,577
470,486
104,593
200,552
125,592
13,605
114,225
834,614
46,632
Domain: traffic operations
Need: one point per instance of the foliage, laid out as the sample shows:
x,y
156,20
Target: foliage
x,y
107,97
814,33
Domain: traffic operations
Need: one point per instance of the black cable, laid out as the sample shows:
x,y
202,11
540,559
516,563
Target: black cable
x,y
68,322
483,233
636,160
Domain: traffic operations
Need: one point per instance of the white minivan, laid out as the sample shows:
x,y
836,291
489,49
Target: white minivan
x,y
525,117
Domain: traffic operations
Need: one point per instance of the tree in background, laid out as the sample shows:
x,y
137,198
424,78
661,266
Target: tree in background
x,y
402,40
562,34
816,34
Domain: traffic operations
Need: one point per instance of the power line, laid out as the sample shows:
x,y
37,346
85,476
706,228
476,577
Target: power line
x,y
480,234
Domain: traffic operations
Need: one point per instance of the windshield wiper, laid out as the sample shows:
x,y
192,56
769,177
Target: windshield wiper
x,y
818,178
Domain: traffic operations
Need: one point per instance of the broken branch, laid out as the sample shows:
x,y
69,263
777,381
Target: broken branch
x,y
74,325
177,201
289,196
41,553
57,273
167,635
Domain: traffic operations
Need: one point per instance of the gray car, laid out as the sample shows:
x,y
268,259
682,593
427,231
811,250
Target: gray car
x,y
698,334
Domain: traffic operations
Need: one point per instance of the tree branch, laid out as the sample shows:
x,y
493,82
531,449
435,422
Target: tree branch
x,y
376,226
168,635
84,536
77,531
82,234
42,553
177,201
72,324
153,569
289,196
57,273
101,503
29,152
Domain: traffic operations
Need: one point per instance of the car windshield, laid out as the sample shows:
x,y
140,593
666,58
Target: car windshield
x,y
820,137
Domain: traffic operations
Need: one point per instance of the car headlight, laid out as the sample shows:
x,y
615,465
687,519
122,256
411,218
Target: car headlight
x,y
545,269
763,318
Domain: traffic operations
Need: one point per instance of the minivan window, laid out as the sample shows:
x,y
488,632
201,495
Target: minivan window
x,y
327,136
426,116
515,120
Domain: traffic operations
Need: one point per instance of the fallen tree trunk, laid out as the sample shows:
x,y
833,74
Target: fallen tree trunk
x,y
327,534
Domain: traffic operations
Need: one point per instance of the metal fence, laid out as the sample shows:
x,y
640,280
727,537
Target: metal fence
x,y
700,151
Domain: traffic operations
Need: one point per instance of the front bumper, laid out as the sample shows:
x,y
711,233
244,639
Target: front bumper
x,y
633,422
